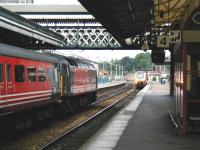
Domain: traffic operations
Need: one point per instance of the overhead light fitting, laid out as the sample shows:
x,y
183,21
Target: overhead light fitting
x,y
145,46
129,41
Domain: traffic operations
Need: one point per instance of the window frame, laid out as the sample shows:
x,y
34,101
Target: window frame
x,y
31,67
39,76
17,74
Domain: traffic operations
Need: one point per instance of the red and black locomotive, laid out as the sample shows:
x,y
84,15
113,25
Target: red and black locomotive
x,y
31,79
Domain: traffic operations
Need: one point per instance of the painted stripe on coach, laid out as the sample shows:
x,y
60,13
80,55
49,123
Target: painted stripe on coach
x,y
10,95
28,97
9,105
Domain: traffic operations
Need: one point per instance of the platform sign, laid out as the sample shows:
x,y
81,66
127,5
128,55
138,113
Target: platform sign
x,y
175,36
163,41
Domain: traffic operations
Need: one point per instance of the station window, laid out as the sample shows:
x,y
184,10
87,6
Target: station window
x,y
41,75
9,72
1,72
31,74
19,73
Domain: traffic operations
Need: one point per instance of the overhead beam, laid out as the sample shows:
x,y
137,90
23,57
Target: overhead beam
x,y
48,9
170,10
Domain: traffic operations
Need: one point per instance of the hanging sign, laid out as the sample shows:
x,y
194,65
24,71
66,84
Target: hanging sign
x,y
163,41
175,36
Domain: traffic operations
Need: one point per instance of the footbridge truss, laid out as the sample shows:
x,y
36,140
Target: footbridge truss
x,y
80,31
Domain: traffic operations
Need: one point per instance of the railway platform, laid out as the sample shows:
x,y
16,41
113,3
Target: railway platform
x,y
144,124
109,84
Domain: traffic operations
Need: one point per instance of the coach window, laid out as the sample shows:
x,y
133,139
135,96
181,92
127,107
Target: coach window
x,y
41,75
1,72
19,73
31,74
9,72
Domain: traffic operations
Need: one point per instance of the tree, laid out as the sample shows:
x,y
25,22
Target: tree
x,y
128,63
143,61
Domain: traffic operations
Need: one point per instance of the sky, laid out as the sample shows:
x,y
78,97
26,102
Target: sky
x,y
102,55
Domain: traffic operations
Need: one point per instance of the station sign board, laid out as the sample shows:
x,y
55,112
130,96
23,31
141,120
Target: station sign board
x,y
175,36
164,40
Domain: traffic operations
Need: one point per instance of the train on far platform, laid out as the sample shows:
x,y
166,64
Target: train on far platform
x,y
140,79
30,79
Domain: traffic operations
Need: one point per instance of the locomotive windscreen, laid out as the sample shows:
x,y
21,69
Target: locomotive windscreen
x,y
140,75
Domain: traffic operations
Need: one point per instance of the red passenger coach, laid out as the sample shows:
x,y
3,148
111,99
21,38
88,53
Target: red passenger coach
x,y
25,79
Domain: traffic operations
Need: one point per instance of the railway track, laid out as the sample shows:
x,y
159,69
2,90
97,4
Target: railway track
x,y
47,136
111,92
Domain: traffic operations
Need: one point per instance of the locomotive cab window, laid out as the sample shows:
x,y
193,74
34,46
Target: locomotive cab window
x,y
1,72
19,73
92,66
51,74
81,64
85,65
72,62
41,75
31,74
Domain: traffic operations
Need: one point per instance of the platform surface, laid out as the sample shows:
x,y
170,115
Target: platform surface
x,y
109,84
143,125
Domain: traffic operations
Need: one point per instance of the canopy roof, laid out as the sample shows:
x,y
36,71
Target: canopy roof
x,y
18,31
142,20
123,18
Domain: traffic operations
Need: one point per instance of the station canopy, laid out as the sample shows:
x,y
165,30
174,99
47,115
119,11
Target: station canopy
x,y
140,20
18,31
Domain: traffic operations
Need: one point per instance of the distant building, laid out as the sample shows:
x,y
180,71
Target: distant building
x,y
158,72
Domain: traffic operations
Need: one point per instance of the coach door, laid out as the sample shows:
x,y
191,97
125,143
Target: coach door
x,y
10,88
2,80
